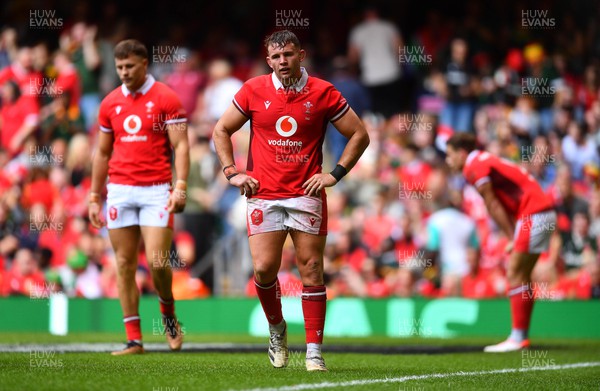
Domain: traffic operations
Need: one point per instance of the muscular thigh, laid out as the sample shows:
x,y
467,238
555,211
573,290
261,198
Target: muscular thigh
x,y
157,242
266,249
308,247
125,242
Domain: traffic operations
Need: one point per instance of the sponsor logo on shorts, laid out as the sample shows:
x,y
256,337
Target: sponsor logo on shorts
x,y
112,213
256,217
312,221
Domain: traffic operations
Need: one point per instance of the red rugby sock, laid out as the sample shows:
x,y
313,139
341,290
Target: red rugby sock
x,y
270,299
314,305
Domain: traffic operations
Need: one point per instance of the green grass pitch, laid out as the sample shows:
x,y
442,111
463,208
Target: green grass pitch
x,y
550,365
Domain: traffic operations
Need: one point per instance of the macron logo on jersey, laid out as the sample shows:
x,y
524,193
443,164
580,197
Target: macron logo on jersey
x,y
132,124
267,104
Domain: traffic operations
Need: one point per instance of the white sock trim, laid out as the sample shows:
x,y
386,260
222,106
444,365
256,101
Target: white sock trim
x,y
131,319
265,287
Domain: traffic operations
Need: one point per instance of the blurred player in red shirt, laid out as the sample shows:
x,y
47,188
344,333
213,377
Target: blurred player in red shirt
x,y
142,122
523,212
284,185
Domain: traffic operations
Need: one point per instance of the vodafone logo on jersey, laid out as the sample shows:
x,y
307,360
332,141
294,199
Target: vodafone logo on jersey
x,y
286,126
132,124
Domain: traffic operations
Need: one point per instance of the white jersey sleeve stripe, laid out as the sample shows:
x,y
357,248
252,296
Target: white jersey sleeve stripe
x,y
240,108
176,121
106,130
340,113
481,181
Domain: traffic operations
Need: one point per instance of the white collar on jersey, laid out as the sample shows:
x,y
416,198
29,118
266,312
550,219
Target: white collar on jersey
x,y
143,89
298,86
472,156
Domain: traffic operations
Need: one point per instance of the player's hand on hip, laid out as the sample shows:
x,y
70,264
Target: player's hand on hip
x,y
248,186
94,210
318,182
176,203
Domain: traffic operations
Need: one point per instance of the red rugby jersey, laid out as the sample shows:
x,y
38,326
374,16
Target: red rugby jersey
x,y
141,150
287,129
516,190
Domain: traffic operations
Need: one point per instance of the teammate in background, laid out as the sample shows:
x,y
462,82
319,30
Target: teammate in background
x,y
141,122
523,212
283,182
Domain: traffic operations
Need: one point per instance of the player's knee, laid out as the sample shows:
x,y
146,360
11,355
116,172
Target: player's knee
x,y
264,271
126,265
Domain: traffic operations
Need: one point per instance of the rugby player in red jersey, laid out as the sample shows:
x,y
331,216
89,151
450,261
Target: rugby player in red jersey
x,y
142,123
523,212
285,188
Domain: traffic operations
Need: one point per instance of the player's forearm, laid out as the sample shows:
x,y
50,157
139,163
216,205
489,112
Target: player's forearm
x,y
223,146
182,160
357,144
500,216
99,171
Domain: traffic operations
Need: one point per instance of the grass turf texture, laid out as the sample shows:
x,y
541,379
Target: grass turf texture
x,y
226,371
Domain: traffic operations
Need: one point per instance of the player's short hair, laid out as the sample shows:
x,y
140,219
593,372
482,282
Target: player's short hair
x,y
130,46
281,38
465,141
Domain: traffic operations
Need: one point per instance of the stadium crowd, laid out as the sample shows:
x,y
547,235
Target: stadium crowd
x,y
531,95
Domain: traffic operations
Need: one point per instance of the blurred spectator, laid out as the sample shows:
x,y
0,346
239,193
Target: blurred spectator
x,y
374,44
357,98
43,64
218,94
80,43
24,278
186,286
524,120
187,80
452,238
578,244
62,117
200,218
579,149
566,201
460,106
112,32
79,277
21,72
18,118
541,81
8,46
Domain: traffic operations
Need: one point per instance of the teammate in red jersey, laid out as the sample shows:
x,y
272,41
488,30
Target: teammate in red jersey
x,y
283,182
141,122
523,212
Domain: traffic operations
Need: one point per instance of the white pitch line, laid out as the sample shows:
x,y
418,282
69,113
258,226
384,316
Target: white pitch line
x,y
403,379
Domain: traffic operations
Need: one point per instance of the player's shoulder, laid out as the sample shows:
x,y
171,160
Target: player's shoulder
x,y
160,88
114,94
262,81
319,83
111,99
